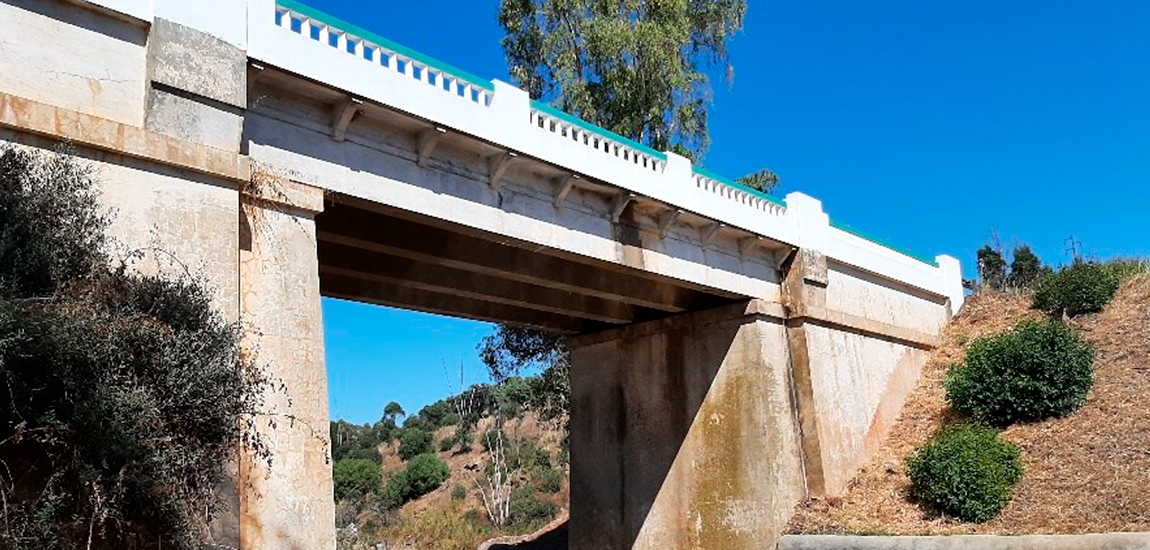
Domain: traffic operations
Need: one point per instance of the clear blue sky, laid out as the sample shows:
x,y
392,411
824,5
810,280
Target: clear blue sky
x,y
928,124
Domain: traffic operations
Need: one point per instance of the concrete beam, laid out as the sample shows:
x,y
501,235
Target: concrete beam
x,y
497,166
748,243
341,117
393,295
667,221
372,266
710,231
565,184
381,233
619,205
425,143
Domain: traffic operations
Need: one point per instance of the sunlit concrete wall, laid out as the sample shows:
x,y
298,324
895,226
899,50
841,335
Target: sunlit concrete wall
x,y
683,433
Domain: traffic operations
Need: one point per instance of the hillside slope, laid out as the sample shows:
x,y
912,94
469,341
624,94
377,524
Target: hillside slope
x,y
453,516
1088,472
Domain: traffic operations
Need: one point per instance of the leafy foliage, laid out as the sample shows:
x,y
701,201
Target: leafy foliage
x,y
1083,287
356,478
413,442
991,268
51,230
423,474
636,68
125,395
966,471
528,512
352,441
1041,369
393,410
1025,268
764,180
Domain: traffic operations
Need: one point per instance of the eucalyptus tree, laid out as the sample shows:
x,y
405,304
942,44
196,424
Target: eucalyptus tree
x,y
638,68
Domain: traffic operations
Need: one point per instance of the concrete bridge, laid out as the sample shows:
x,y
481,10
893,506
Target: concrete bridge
x,y
733,352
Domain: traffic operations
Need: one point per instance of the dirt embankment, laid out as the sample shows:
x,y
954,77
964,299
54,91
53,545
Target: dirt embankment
x,y
1088,472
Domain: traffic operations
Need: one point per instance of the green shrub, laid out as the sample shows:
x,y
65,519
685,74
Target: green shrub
x,y
125,396
526,512
356,478
966,471
423,474
550,480
447,443
1040,369
1083,287
414,442
458,493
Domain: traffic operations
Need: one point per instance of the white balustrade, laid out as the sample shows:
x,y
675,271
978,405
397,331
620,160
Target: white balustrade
x,y
377,54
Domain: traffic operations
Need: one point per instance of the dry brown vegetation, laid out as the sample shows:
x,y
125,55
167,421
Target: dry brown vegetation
x,y
1088,472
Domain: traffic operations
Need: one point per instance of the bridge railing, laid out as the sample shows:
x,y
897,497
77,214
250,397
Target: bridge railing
x,y
380,52
738,192
580,131
299,39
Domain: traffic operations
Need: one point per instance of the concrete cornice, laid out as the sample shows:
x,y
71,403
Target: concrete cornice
x,y
85,130
838,319
766,310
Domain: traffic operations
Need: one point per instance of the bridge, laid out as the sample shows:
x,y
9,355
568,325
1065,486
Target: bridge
x,y
733,352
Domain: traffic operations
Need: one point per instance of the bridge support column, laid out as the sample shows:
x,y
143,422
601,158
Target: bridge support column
x,y
683,433
289,506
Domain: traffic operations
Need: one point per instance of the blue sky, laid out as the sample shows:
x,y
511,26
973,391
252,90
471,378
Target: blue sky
x,y
926,124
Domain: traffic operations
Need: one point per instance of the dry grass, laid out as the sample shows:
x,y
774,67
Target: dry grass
x,y
1088,472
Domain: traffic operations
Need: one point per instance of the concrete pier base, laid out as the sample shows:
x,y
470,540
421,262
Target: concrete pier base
x,y
683,434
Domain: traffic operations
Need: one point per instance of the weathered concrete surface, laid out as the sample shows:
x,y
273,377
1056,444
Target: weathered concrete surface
x,y
1102,541
183,118
195,61
857,345
74,58
289,507
47,120
682,433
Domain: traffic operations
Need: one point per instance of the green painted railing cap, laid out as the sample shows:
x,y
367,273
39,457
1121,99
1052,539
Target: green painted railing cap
x,y
540,106
732,183
400,49
880,242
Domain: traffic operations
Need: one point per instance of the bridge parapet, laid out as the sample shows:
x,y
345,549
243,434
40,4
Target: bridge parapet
x,y
367,67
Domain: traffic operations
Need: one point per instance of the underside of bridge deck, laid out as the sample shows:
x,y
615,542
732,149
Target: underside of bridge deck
x,y
378,255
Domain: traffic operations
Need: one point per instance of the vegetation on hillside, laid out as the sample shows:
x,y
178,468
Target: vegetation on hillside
x,y
1066,386
125,396
488,461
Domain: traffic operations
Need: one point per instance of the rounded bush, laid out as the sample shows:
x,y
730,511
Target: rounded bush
x,y
1083,287
356,478
414,442
965,471
423,474
1041,369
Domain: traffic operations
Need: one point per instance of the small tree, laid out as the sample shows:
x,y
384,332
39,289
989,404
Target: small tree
x,y
764,180
356,478
424,474
393,411
1025,268
414,442
991,268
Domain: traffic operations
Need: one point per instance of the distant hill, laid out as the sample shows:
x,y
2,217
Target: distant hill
x,y
503,457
